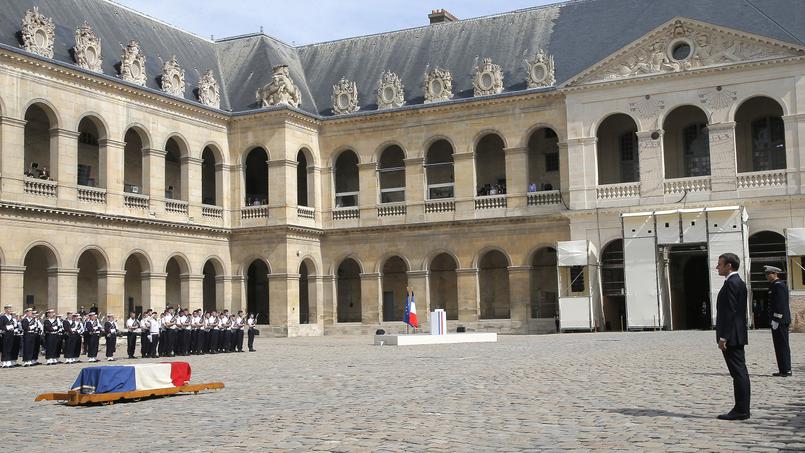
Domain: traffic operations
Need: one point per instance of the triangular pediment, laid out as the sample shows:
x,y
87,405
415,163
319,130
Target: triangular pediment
x,y
682,45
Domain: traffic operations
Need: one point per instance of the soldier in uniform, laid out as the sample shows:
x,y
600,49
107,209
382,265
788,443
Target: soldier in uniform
x,y
93,336
153,331
237,326
212,323
77,336
7,335
52,329
145,335
251,321
40,329
29,334
110,332
132,331
780,312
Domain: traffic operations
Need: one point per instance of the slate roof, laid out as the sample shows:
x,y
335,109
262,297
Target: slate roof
x,y
578,33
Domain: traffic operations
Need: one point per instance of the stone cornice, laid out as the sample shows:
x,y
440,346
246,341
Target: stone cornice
x,y
9,121
56,132
282,163
111,143
154,152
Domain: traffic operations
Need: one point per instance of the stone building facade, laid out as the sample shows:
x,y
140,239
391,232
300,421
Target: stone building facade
x,y
314,184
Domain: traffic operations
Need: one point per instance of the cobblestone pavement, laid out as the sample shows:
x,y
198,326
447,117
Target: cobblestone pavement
x,y
636,391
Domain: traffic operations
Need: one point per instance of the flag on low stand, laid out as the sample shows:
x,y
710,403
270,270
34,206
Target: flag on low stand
x,y
410,312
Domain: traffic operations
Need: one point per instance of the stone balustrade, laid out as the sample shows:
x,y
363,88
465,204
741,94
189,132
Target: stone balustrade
x,y
41,187
682,185
391,209
253,212
135,201
490,202
176,206
544,198
761,179
305,212
436,206
91,195
346,213
212,212
617,191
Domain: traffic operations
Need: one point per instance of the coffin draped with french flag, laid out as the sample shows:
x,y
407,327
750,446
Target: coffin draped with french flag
x,y
129,378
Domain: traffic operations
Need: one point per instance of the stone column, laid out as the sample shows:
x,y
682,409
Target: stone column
x,y
516,176
12,155
723,165
154,177
469,307
191,186
650,161
328,299
316,299
11,287
64,161
581,156
414,189
112,286
223,194
238,300
111,171
154,290
314,192
371,300
192,289
64,299
794,149
223,294
519,296
282,190
368,193
284,303
418,280
564,171
327,193
464,189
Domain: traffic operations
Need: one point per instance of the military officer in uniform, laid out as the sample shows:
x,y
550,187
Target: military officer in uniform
x,y
7,332
110,333
132,332
780,313
731,332
52,329
93,336
251,321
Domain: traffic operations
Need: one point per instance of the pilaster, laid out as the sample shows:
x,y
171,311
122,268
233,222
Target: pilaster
x,y
723,164
469,308
371,300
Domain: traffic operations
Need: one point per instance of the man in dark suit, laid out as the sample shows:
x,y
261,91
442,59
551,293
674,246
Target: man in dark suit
x,y
731,332
780,313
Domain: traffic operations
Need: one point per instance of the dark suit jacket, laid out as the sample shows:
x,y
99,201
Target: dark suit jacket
x,y
778,303
731,312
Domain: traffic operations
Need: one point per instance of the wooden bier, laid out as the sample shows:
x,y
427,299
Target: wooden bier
x,y
74,398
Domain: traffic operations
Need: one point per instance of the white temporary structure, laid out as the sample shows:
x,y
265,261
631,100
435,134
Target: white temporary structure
x,y
579,285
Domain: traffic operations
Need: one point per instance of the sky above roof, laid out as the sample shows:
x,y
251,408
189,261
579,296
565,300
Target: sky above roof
x,y
312,21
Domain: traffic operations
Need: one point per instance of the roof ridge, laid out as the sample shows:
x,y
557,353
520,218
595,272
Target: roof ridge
x,y
152,18
763,13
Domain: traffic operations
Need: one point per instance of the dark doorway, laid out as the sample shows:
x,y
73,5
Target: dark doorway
x,y
257,291
690,287
304,297
613,287
766,248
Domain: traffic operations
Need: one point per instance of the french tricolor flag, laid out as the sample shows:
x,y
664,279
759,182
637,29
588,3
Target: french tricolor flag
x,y
410,311
128,378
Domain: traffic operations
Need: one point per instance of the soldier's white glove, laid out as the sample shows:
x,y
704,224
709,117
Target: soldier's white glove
x,y
775,325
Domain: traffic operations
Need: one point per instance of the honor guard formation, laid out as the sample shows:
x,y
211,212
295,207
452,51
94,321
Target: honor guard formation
x,y
170,333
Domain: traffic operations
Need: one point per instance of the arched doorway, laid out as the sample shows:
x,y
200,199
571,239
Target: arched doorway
x,y
39,284
136,287
255,174
174,294
766,248
174,189
257,295
391,175
490,166
686,143
308,313
209,176
90,131
544,284
493,283
39,120
302,190
91,293
439,170
348,305
443,284
760,135
210,301
347,183
617,150
133,155
613,286
543,160
688,277
395,284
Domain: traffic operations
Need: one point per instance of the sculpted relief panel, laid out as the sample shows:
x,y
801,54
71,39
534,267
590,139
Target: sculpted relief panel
x,y
208,91
37,33
540,70
281,90
390,91
683,46
438,85
87,50
132,64
345,97
173,78
488,78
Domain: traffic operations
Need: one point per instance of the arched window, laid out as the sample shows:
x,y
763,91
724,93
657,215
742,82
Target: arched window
x,y
348,303
391,174
443,285
347,184
617,150
209,185
133,161
173,171
37,142
88,162
395,283
256,177
302,197
760,135
439,170
686,143
493,283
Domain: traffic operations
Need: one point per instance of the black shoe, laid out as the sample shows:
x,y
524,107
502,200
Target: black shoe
x,y
731,415
781,374
252,350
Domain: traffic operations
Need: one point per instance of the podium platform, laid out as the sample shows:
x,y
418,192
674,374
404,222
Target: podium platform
x,y
419,339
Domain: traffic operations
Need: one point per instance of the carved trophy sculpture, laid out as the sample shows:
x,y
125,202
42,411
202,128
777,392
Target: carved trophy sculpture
x,y
345,97
132,64
539,70
87,50
488,79
281,90
173,78
37,33
390,91
438,85
208,91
